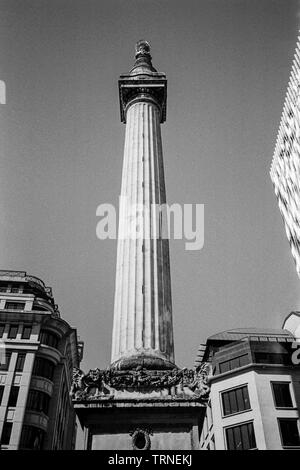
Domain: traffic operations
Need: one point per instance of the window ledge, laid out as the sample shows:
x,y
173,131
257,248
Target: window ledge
x,y
284,408
237,413
291,447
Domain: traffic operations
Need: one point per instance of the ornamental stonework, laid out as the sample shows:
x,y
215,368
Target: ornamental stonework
x,y
98,384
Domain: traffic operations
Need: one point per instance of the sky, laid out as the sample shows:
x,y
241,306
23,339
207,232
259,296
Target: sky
x,y
228,64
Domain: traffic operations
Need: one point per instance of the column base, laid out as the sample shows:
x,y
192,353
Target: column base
x,y
143,360
142,425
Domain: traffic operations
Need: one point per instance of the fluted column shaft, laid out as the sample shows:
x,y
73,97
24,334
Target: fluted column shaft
x,y
143,310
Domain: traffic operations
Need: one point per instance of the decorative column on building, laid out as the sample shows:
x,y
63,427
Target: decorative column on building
x,y
142,399
143,329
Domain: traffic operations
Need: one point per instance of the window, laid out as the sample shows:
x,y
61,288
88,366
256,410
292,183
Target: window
x,y
20,362
6,432
17,289
5,360
13,396
32,438
2,328
49,338
38,306
240,437
1,393
282,395
234,363
272,358
13,331
38,401
289,432
235,401
26,332
15,305
43,368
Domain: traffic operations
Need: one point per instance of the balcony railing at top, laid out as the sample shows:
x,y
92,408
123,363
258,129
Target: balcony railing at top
x,y
258,339
22,274
36,280
9,273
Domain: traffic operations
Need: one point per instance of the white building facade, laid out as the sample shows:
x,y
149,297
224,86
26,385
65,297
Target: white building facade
x,y
255,391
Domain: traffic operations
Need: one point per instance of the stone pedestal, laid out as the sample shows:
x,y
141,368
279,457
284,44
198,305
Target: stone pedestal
x,y
143,426
141,409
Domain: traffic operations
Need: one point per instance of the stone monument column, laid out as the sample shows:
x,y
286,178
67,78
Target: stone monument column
x,y
142,327
142,400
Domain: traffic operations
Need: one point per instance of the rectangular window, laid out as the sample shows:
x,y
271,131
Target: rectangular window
x,y
6,433
234,363
13,396
49,338
282,395
224,366
241,437
13,331
5,360
32,438
38,401
235,401
2,328
15,305
1,393
20,362
26,332
289,432
43,368
272,358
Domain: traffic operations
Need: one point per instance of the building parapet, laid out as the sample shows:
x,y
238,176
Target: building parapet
x,y
21,276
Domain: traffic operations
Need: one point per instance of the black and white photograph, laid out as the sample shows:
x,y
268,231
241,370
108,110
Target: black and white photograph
x,y
149,228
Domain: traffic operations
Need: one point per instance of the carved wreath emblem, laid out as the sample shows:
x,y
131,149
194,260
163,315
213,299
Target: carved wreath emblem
x,y
141,439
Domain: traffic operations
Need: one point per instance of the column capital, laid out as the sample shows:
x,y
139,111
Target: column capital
x,y
143,83
131,91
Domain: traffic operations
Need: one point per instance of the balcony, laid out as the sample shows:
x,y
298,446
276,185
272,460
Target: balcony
x,y
35,418
42,305
22,277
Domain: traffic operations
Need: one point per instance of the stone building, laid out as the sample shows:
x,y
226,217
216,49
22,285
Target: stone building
x,y
142,400
254,398
38,350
